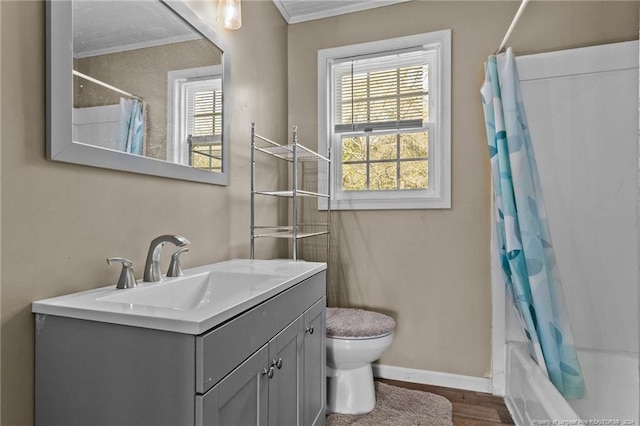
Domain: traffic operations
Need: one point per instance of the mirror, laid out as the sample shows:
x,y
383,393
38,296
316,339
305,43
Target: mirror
x,y
139,90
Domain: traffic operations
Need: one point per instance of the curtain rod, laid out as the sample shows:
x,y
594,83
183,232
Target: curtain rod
x,y
512,26
108,86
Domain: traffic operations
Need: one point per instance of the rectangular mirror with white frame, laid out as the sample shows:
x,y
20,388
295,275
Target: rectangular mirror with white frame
x,y
137,86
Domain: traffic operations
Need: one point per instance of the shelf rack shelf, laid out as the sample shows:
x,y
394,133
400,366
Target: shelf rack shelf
x,y
294,153
291,194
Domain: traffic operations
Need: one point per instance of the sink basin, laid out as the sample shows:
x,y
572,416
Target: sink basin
x,y
190,292
203,298
185,293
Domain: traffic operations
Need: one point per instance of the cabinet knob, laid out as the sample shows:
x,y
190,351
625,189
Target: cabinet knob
x,y
268,372
309,329
277,364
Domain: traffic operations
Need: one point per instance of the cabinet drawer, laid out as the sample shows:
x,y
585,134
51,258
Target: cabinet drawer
x,y
222,349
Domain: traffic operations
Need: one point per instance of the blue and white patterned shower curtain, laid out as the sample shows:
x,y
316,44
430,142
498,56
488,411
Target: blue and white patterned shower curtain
x,y
524,243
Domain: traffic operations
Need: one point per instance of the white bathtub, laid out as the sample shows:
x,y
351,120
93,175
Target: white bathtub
x,y
611,396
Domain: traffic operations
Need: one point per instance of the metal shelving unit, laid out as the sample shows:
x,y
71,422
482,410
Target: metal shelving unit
x,y
294,153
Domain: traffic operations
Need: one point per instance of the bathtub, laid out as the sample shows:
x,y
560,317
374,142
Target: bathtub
x,y
611,397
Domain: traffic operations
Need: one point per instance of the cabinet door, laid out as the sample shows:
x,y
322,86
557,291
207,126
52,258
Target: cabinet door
x,y
240,398
285,386
314,364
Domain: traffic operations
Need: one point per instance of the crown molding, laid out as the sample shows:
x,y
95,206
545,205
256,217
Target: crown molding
x,y
343,8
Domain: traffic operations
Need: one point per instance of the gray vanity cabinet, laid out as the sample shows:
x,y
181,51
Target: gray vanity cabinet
x,y
281,384
266,366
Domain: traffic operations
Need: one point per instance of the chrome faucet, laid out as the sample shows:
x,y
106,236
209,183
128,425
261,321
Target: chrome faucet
x,y
152,265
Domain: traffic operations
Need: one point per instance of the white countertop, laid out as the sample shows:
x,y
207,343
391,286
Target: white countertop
x,y
205,297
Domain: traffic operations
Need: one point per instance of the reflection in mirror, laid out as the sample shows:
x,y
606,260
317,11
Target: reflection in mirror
x,y
123,60
146,83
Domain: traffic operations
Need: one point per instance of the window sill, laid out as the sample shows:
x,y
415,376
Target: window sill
x,y
387,204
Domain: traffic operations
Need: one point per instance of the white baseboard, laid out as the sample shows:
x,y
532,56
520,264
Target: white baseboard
x,y
435,378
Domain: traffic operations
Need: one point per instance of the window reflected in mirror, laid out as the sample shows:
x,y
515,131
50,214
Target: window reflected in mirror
x,y
196,102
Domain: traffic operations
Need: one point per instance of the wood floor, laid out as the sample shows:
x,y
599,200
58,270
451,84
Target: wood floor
x,y
469,408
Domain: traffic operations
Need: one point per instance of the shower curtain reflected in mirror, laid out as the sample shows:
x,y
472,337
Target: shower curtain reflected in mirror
x,y
524,243
131,129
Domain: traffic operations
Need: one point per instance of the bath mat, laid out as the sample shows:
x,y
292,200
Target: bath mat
x,y
400,407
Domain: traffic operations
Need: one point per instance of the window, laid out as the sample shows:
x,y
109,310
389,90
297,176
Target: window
x,y
384,110
196,96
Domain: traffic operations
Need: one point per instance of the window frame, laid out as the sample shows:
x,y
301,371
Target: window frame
x,y
438,195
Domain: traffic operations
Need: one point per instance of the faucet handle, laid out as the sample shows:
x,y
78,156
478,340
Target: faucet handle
x,y
174,267
127,278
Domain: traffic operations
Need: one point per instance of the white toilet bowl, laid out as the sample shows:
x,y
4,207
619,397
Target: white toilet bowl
x,y
355,338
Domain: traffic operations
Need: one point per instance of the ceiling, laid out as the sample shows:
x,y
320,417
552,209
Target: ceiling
x,y
295,11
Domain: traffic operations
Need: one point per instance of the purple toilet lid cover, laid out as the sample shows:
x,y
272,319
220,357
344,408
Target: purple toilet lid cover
x,y
357,323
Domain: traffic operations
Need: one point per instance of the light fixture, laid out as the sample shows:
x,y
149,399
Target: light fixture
x,y
229,14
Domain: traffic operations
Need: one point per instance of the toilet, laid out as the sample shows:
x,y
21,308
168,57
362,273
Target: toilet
x,y
355,338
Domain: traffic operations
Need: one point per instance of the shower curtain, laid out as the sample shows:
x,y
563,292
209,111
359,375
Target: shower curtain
x,y
524,243
132,124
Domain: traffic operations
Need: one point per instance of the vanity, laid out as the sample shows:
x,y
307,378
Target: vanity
x,y
234,343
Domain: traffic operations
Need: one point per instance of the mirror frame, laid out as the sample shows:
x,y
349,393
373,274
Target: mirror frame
x,y
60,143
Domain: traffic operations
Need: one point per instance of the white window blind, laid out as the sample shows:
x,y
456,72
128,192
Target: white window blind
x,y
382,92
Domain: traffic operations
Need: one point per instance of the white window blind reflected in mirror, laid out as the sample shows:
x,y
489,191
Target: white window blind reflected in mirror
x,y
204,124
